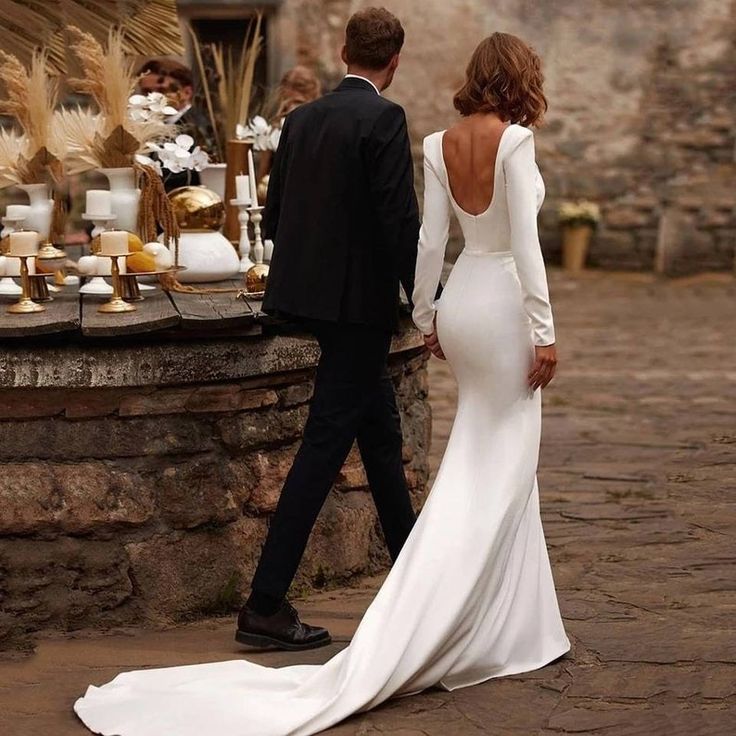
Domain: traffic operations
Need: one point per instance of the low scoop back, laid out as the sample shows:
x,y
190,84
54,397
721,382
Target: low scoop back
x,y
470,167
490,229
507,228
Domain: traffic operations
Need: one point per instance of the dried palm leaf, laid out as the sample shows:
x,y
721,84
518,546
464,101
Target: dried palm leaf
x,y
13,147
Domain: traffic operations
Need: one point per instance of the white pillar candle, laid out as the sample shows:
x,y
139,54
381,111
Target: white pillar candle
x,y
114,243
99,202
242,188
17,211
252,179
23,243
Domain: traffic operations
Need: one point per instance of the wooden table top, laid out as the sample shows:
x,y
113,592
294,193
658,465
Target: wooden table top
x,y
71,312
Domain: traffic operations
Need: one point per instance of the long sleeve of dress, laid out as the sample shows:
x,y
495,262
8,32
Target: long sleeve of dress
x,y
520,175
432,243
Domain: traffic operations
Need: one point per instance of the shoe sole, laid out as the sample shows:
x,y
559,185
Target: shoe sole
x,y
266,642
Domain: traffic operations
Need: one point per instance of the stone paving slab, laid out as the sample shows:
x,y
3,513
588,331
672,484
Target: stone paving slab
x,y
638,484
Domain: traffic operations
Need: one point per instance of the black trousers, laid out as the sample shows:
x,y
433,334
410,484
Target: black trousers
x,y
353,399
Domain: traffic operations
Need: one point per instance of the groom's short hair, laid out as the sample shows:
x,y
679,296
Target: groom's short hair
x,y
372,38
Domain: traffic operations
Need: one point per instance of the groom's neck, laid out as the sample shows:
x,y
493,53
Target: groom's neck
x,y
380,78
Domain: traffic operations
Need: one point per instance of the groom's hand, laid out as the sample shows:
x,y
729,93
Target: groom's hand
x,y
545,365
433,345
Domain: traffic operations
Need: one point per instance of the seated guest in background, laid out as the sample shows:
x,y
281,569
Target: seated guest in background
x,y
175,80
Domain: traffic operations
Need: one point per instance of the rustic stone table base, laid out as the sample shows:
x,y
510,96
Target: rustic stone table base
x,y
138,477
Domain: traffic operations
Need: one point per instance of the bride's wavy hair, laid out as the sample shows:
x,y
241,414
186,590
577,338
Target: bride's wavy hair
x,y
505,77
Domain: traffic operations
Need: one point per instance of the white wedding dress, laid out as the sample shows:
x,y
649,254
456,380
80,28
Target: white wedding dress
x,y
471,596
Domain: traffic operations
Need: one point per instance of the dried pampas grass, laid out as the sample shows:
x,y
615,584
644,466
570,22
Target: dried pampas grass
x,y
31,99
109,78
108,138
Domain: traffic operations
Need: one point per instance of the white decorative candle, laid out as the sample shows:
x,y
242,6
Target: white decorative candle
x,y
242,188
252,179
99,202
114,243
17,211
23,243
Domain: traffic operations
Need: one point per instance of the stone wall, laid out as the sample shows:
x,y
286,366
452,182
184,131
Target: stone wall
x,y
149,503
642,112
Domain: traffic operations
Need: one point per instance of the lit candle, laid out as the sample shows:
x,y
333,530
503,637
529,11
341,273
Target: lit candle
x,y
17,211
99,202
23,243
252,179
242,188
114,243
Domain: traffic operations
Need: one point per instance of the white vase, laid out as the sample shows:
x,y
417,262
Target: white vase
x,y
124,196
213,177
207,255
42,209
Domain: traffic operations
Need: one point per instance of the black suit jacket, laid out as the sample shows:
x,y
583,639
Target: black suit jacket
x,y
342,210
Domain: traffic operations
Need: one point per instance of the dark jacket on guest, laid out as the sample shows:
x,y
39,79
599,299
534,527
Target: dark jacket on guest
x,y
342,210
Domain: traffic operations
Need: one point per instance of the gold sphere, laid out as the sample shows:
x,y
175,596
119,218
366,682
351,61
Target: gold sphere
x,y
197,209
256,278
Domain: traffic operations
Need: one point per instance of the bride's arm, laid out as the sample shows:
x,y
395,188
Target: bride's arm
x,y
521,195
432,243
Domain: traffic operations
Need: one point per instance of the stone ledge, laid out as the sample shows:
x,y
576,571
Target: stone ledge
x,y
166,363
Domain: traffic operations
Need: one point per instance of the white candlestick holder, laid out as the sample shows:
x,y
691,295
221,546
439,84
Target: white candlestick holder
x,y
256,216
8,287
98,285
244,244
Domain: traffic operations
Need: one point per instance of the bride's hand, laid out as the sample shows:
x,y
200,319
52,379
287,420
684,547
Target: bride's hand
x,y
545,365
432,343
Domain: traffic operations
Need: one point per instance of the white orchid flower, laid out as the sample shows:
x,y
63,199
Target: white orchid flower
x,y
184,141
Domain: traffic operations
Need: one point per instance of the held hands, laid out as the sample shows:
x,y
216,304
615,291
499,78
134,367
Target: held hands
x,y
545,365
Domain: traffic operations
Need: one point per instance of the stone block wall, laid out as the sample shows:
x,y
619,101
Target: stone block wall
x,y
144,504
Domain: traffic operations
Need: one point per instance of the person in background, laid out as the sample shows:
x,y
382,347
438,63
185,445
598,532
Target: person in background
x,y
298,86
176,81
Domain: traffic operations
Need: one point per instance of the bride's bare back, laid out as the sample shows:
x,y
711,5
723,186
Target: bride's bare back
x,y
469,149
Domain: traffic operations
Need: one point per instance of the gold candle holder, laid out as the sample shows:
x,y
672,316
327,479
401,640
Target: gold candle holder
x,y
39,288
130,289
25,305
116,305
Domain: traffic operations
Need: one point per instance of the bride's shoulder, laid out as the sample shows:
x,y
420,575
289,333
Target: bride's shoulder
x,y
517,134
432,147
433,141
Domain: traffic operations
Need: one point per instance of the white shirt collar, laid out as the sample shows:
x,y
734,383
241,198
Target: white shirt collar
x,y
172,119
357,76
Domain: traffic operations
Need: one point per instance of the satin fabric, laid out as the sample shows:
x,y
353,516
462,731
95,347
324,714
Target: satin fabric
x,y
471,596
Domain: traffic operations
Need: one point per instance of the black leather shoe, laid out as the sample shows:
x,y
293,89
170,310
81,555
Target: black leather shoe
x,y
283,630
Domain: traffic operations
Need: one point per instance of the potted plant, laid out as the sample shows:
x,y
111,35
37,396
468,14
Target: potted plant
x,y
578,220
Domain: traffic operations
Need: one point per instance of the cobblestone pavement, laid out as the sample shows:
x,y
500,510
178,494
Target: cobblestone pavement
x,y
638,483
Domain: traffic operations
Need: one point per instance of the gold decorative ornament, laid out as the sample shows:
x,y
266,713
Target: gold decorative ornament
x,y
256,278
197,209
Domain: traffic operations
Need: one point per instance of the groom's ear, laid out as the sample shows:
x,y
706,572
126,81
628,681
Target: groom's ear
x,y
394,63
344,55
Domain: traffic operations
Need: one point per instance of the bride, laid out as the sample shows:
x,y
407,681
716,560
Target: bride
x,y
471,595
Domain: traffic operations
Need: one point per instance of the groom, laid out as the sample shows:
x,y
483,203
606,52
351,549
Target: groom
x,y
343,214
